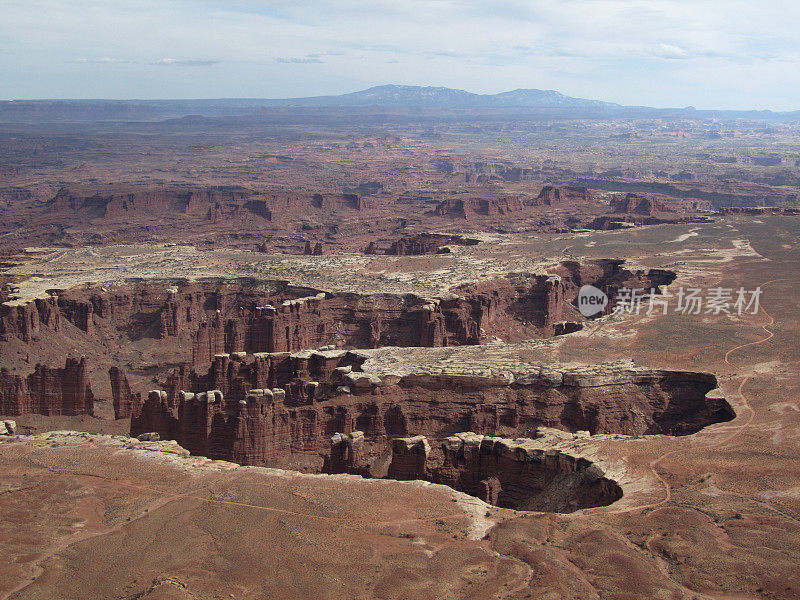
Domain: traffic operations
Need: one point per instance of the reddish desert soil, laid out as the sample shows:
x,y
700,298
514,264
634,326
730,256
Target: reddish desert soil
x,y
710,515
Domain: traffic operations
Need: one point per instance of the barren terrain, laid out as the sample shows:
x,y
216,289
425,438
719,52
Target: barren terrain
x,y
300,412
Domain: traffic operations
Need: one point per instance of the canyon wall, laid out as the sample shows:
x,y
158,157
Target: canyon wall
x,y
213,203
48,391
126,403
523,474
485,207
213,316
489,207
23,320
251,409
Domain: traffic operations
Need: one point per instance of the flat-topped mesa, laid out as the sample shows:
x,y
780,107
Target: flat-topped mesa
x,y
553,196
638,204
304,398
48,391
188,204
565,195
213,316
423,243
112,203
479,207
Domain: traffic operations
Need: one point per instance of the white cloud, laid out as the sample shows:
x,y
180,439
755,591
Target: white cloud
x,y
178,62
299,61
106,60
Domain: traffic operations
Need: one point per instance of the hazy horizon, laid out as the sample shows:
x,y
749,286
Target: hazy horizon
x,y
661,53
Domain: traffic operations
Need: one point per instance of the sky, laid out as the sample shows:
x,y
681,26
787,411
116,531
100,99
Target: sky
x,y
723,54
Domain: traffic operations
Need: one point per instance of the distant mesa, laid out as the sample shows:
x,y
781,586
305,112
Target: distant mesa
x,y
549,196
637,204
412,95
189,113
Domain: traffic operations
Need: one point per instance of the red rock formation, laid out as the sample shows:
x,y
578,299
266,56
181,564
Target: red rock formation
x,y
217,204
315,395
341,201
114,204
380,320
465,209
609,275
488,207
23,320
557,196
225,316
48,391
409,458
519,475
346,454
422,243
417,245
483,172
640,205
126,403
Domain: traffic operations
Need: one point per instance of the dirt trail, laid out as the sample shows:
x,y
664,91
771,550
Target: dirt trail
x,y
738,427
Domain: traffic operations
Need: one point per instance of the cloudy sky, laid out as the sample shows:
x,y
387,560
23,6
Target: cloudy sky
x,y
706,53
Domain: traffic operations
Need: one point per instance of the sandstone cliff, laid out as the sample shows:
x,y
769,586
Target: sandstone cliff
x,y
637,204
126,403
566,195
252,408
48,391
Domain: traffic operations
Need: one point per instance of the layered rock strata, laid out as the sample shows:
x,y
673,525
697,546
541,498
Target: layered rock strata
x,y
254,408
125,401
48,391
524,474
554,196
245,315
545,474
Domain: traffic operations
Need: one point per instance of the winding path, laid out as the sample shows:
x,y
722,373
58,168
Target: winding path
x,y
738,428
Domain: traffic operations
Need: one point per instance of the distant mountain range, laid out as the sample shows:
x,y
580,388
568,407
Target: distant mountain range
x,y
389,100
412,95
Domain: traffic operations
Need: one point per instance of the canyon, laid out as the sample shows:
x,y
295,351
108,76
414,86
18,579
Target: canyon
x,y
352,337
256,392
266,408
249,315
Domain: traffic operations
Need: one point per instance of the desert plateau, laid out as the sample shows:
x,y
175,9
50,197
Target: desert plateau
x,y
404,343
